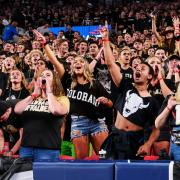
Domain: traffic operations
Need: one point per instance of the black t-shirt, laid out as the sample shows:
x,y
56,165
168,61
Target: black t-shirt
x,y
40,127
101,73
10,94
12,125
141,111
11,129
83,100
29,75
127,75
156,90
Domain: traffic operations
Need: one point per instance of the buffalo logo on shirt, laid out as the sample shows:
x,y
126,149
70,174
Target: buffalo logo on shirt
x,y
133,103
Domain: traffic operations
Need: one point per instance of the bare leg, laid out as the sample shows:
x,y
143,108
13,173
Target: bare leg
x,y
81,145
97,140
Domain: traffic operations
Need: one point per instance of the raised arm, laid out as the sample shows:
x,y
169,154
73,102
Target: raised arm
x,y
109,58
161,119
154,29
57,106
176,24
59,67
94,62
164,88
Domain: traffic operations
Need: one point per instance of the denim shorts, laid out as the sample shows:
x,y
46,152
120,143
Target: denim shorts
x,y
83,126
38,154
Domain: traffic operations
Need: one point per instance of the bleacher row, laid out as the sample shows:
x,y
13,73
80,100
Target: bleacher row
x,y
101,170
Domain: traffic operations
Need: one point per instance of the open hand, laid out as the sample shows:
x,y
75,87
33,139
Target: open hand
x,y
39,37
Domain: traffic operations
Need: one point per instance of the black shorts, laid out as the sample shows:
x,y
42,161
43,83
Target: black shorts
x,y
122,144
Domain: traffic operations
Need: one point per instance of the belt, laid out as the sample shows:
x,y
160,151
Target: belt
x,y
77,116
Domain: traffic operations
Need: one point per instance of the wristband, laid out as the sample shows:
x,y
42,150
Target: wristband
x,y
169,109
34,96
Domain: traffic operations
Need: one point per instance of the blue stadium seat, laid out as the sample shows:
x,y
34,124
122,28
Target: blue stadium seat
x,y
73,171
141,171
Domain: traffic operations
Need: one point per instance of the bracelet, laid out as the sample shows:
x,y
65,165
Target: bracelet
x,y
169,109
34,96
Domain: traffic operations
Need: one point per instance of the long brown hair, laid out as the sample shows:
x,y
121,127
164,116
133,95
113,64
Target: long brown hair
x,y
57,87
86,73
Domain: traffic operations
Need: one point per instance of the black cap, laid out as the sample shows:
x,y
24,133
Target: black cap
x,y
3,107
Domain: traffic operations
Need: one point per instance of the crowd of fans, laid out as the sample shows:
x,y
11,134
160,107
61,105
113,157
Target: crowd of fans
x,y
120,86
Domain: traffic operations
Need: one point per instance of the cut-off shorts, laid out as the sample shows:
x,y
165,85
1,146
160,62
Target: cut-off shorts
x,y
83,126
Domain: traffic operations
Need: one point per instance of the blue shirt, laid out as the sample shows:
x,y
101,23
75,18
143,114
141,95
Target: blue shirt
x,y
9,32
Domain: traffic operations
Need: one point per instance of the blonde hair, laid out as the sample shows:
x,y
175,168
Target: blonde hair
x,y
36,51
4,68
86,73
23,82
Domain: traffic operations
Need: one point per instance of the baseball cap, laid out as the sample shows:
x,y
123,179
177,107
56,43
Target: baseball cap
x,y
3,107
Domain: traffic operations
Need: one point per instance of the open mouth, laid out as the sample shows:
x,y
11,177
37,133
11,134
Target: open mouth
x,y
8,64
78,68
138,74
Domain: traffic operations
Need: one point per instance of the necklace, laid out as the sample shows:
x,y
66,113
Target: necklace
x,y
10,94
